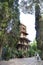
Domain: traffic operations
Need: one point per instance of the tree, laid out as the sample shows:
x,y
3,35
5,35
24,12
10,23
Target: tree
x,y
4,18
38,27
27,6
14,33
33,49
9,23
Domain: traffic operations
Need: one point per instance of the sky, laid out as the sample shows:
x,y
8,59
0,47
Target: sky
x,y
29,21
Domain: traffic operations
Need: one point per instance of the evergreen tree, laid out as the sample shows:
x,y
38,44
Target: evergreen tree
x,y
9,23
37,17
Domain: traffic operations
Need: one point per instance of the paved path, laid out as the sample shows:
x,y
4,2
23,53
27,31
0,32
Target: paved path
x,y
22,61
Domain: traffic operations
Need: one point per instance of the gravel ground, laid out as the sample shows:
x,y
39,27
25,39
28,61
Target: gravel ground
x,y
22,61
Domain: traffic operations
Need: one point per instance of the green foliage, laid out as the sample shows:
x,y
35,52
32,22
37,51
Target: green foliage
x,y
9,11
34,45
31,52
33,49
20,55
6,53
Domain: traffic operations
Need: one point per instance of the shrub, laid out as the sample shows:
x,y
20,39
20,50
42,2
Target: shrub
x,y
6,53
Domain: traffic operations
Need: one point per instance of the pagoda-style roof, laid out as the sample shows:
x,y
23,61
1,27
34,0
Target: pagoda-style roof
x,y
23,29
24,32
22,45
23,38
22,24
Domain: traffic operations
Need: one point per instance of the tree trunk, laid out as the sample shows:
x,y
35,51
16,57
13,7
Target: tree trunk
x,y
39,29
0,52
41,35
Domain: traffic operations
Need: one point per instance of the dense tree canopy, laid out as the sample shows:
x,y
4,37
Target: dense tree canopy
x,y
27,6
9,23
9,17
